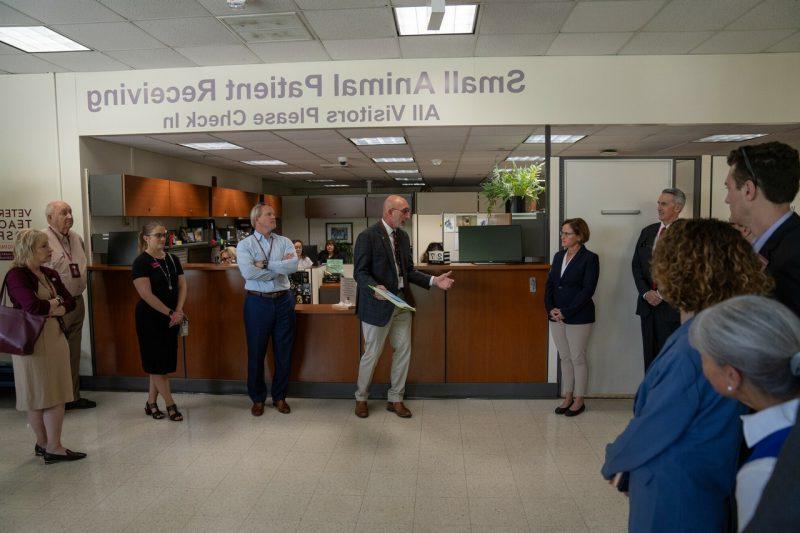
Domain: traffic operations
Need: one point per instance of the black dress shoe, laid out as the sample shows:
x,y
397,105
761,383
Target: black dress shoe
x,y
576,412
38,450
562,410
50,458
80,403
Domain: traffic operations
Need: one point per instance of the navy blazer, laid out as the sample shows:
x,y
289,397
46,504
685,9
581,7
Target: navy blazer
x,y
782,252
640,265
572,293
374,264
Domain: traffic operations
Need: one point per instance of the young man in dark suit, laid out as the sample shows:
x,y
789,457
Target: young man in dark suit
x,y
659,319
382,258
762,182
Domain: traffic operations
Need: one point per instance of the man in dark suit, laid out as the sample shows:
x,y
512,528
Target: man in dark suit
x,y
762,182
659,319
382,258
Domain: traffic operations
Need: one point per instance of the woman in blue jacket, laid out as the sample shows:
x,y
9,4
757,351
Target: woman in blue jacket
x,y
570,309
681,447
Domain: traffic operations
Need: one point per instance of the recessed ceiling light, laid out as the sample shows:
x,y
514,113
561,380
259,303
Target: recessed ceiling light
x,y
739,137
266,162
337,185
213,146
524,158
366,141
412,184
457,20
320,181
393,159
555,139
415,178
297,173
38,39
402,171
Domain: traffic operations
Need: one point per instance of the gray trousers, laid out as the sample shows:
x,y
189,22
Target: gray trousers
x,y
399,332
74,325
571,341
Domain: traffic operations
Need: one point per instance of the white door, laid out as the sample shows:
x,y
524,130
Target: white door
x,y
625,190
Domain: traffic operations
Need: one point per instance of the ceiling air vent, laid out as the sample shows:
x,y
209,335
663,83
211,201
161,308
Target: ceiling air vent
x,y
269,28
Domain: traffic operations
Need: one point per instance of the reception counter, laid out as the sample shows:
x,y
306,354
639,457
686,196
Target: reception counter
x,y
485,337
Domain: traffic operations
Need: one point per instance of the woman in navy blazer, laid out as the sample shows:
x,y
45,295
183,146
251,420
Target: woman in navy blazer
x,y
570,309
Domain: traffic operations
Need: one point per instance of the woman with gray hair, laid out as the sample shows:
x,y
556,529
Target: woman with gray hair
x,y
750,348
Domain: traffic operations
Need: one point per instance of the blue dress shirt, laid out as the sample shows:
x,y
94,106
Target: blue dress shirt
x,y
273,248
764,237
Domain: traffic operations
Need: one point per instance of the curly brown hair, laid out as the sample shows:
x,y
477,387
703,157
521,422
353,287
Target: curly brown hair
x,y
698,263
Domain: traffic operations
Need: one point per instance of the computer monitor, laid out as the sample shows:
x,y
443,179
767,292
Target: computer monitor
x,y
489,244
122,247
310,251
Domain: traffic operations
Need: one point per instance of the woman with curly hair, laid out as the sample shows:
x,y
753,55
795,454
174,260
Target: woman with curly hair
x,y
678,454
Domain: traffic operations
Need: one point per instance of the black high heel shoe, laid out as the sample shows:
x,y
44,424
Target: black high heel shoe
x,y
576,412
38,450
562,410
50,458
151,409
174,414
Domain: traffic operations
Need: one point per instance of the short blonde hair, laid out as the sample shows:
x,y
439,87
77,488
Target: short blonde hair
x,y
25,244
255,212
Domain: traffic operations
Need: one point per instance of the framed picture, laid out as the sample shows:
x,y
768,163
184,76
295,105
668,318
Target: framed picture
x,y
339,232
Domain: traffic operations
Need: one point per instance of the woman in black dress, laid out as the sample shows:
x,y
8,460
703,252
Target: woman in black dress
x,y
330,252
158,278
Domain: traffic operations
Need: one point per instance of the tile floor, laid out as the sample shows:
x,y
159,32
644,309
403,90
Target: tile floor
x,y
457,465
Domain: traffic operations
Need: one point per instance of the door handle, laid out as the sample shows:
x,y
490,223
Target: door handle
x,y
620,211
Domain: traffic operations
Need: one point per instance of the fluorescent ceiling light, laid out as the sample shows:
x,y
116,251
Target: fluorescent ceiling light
x,y
412,184
38,39
402,171
457,20
266,162
337,185
297,173
320,181
555,139
739,137
415,178
365,141
213,146
393,159
524,158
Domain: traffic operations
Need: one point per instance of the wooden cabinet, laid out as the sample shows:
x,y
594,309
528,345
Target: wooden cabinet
x,y
232,202
336,207
275,202
188,199
145,197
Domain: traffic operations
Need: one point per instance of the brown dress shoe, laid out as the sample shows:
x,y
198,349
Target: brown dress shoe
x,y
362,411
282,407
257,409
399,409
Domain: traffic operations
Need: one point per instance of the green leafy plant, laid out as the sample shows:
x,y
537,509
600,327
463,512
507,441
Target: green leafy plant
x,y
506,183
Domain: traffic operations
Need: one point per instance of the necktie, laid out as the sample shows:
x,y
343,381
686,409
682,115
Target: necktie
x,y
397,255
658,238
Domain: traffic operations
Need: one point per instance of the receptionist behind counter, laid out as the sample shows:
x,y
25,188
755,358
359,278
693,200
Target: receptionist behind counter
x,y
330,252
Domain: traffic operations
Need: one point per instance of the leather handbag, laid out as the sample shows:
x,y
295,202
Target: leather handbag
x,y
19,329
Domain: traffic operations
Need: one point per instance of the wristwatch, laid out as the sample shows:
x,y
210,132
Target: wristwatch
x,y
59,300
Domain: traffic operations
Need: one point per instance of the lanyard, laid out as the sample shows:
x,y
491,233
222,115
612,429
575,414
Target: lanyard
x,y
68,254
266,255
166,275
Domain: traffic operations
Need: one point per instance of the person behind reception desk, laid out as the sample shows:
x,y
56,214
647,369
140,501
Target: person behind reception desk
x,y
265,260
303,261
228,256
159,280
759,365
383,259
570,309
330,252
43,380
681,447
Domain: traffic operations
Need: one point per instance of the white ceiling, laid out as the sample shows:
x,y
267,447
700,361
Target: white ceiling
x,y
468,154
143,34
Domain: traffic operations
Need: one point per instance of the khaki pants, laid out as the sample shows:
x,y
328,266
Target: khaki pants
x,y
399,332
74,326
571,341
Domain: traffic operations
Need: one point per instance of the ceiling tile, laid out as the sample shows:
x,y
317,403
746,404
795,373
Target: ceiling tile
x,y
220,55
185,138
513,45
27,64
523,17
156,9
12,17
588,44
5,50
519,131
185,32
352,23
363,48
438,46
218,7
610,16
294,52
61,12
791,44
741,42
340,4
147,59
770,15
691,15
109,36
658,43
84,61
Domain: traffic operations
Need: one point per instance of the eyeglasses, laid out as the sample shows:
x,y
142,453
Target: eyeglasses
x,y
566,233
158,235
749,166
405,211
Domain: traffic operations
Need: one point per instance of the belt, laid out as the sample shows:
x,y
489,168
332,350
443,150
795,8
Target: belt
x,y
276,294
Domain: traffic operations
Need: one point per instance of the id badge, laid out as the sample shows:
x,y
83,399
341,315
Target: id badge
x,y
74,270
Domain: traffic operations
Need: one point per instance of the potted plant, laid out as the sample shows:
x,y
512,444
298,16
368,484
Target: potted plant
x,y
513,186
